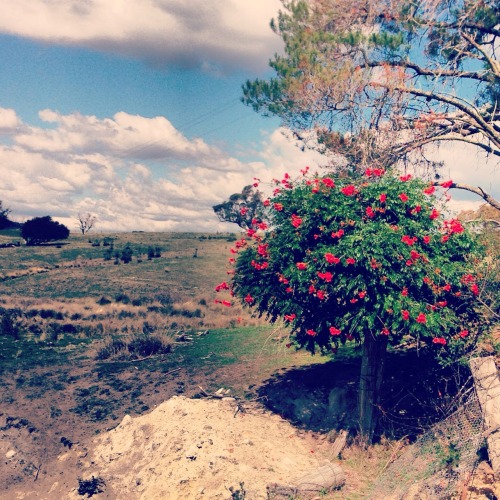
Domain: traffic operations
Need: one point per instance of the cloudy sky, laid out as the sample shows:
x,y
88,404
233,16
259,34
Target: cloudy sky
x,y
131,111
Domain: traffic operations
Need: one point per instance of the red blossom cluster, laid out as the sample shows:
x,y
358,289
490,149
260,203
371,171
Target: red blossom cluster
x,y
331,259
374,172
296,221
439,340
349,190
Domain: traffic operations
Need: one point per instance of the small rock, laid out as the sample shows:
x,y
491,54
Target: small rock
x,y
10,454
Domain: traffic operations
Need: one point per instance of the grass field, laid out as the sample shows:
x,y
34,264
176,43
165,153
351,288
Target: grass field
x,y
86,338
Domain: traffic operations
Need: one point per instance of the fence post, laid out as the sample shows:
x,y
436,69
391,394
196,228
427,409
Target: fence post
x,y
487,386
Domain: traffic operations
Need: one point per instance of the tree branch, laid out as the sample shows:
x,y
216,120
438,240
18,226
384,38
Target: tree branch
x,y
476,190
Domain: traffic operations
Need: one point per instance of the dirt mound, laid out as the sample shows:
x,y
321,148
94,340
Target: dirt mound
x,y
196,449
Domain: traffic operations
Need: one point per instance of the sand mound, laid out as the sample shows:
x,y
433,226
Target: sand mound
x,y
199,449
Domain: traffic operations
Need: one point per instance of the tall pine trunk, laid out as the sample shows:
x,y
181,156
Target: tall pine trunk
x,y
370,383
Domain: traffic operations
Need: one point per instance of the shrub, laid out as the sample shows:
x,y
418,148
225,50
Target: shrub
x,y
9,324
111,349
103,301
123,298
126,254
148,345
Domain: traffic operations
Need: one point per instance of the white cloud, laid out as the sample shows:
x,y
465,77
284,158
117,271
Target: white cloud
x,y
9,121
137,173
200,33
130,171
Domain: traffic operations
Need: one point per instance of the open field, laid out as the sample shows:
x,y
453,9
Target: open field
x,y
86,339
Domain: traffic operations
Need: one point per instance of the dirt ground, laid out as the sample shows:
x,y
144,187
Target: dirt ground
x,y
64,428
188,448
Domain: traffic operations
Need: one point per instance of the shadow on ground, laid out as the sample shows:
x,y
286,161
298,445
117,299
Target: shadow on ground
x,y
416,392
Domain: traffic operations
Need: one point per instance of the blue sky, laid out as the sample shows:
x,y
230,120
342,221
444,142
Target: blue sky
x,y
131,111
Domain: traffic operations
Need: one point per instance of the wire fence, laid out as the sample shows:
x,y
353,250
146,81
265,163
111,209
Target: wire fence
x,y
440,460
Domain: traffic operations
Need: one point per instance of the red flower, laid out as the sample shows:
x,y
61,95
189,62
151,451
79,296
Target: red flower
x,y
370,212
331,259
406,314
426,239
320,294
243,210
385,331
326,276
296,221
362,294
383,198
301,266
447,287
226,303
338,234
334,331
445,238
403,197
474,289
289,289
409,240
421,318
312,289
350,260
463,333
312,333
328,182
349,190
405,178
290,317
404,292
249,299
222,286
278,207
414,255
468,278
447,184
439,340
262,250
453,226
434,214
266,202
429,190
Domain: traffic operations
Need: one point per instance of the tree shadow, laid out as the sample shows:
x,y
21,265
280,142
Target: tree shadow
x,y
416,392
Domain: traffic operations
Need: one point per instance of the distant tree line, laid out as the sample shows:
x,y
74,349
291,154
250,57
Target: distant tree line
x,y
5,222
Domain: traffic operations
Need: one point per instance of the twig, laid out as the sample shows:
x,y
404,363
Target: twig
x,y
173,371
37,472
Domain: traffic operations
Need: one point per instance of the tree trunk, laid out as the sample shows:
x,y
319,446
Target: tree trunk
x,y
488,392
370,382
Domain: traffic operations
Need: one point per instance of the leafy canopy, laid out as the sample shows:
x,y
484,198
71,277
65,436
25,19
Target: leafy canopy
x,y
42,229
341,259
375,81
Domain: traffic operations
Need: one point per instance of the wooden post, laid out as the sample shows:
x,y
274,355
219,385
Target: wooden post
x,y
488,391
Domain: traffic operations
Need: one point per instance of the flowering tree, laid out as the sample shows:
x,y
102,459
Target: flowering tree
x,y
370,260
